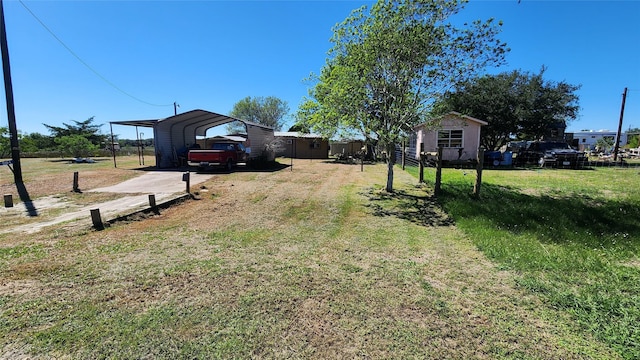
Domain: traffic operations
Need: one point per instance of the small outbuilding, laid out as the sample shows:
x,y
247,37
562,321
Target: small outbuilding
x,y
298,145
345,148
459,136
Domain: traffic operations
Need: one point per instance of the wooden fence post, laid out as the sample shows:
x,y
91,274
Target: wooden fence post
x,y
76,188
480,165
436,191
187,178
8,200
402,156
96,219
421,176
152,203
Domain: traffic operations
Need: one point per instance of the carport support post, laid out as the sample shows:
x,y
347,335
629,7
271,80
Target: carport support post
x,y
476,187
113,148
187,178
436,190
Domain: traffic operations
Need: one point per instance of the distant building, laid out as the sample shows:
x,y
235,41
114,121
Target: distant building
x,y
298,145
586,140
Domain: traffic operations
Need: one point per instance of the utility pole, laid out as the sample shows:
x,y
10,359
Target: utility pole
x,y
617,145
8,89
175,108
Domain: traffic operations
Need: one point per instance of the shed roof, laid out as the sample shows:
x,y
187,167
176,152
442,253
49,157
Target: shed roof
x,y
457,114
296,134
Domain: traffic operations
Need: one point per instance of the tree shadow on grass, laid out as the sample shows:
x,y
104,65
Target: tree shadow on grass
x,y
596,222
419,209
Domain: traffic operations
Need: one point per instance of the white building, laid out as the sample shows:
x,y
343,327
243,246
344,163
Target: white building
x,y
586,140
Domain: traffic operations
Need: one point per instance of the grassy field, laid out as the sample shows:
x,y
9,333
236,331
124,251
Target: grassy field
x,y
316,262
573,238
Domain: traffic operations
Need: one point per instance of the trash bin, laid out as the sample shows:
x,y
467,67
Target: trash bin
x,y
492,158
507,158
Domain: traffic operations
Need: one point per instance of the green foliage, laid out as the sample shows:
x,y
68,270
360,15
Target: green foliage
x,y
75,145
269,111
605,144
86,129
387,66
35,142
515,104
633,141
574,239
5,142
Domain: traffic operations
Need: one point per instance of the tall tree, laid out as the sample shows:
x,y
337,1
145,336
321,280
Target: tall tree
x,y
269,111
389,63
86,129
516,104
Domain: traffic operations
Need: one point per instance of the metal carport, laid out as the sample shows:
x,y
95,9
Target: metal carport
x,y
178,131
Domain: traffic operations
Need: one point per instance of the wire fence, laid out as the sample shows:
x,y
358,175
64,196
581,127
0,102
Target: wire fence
x,y
410,160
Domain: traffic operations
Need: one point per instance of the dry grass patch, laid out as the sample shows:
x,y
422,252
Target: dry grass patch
x,y
309,263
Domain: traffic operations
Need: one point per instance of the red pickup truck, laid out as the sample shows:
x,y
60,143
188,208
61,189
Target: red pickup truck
x,y
224,154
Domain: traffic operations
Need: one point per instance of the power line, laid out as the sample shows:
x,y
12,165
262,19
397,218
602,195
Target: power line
x,y
84,63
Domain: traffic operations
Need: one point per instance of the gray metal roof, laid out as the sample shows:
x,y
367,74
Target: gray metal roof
x,y
200,119
145,123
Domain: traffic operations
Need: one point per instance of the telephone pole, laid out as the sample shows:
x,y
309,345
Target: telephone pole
x,y
8,89
617,145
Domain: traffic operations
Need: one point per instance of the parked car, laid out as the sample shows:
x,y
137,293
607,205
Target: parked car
x,y
551,153
224,154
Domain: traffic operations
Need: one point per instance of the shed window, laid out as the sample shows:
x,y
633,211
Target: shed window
x,y
450,138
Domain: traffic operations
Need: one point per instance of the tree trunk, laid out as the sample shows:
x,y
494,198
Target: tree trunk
x,y
391,151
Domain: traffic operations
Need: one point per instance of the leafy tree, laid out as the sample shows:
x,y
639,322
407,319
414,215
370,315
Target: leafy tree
x,y
300,127
515,104
86,129
75,145
605,144
5,142
269,111
633,138
37,142
388,65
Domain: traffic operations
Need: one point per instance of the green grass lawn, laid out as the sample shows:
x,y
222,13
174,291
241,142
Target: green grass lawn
x,y
572,236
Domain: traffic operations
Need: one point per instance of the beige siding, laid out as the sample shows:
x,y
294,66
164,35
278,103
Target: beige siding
x,y
470,140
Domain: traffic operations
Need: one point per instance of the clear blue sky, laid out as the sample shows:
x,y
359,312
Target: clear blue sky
x,y
210,54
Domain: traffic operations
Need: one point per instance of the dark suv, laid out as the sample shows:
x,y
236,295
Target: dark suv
x,y
551,153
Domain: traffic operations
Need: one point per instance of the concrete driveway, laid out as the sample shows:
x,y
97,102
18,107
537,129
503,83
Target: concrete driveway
x,y
165,185
160,183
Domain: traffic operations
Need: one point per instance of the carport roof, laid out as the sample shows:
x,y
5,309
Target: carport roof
x,y
144,123
202,118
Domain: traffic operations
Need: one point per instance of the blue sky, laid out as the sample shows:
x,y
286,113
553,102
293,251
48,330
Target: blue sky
x,y
210,54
